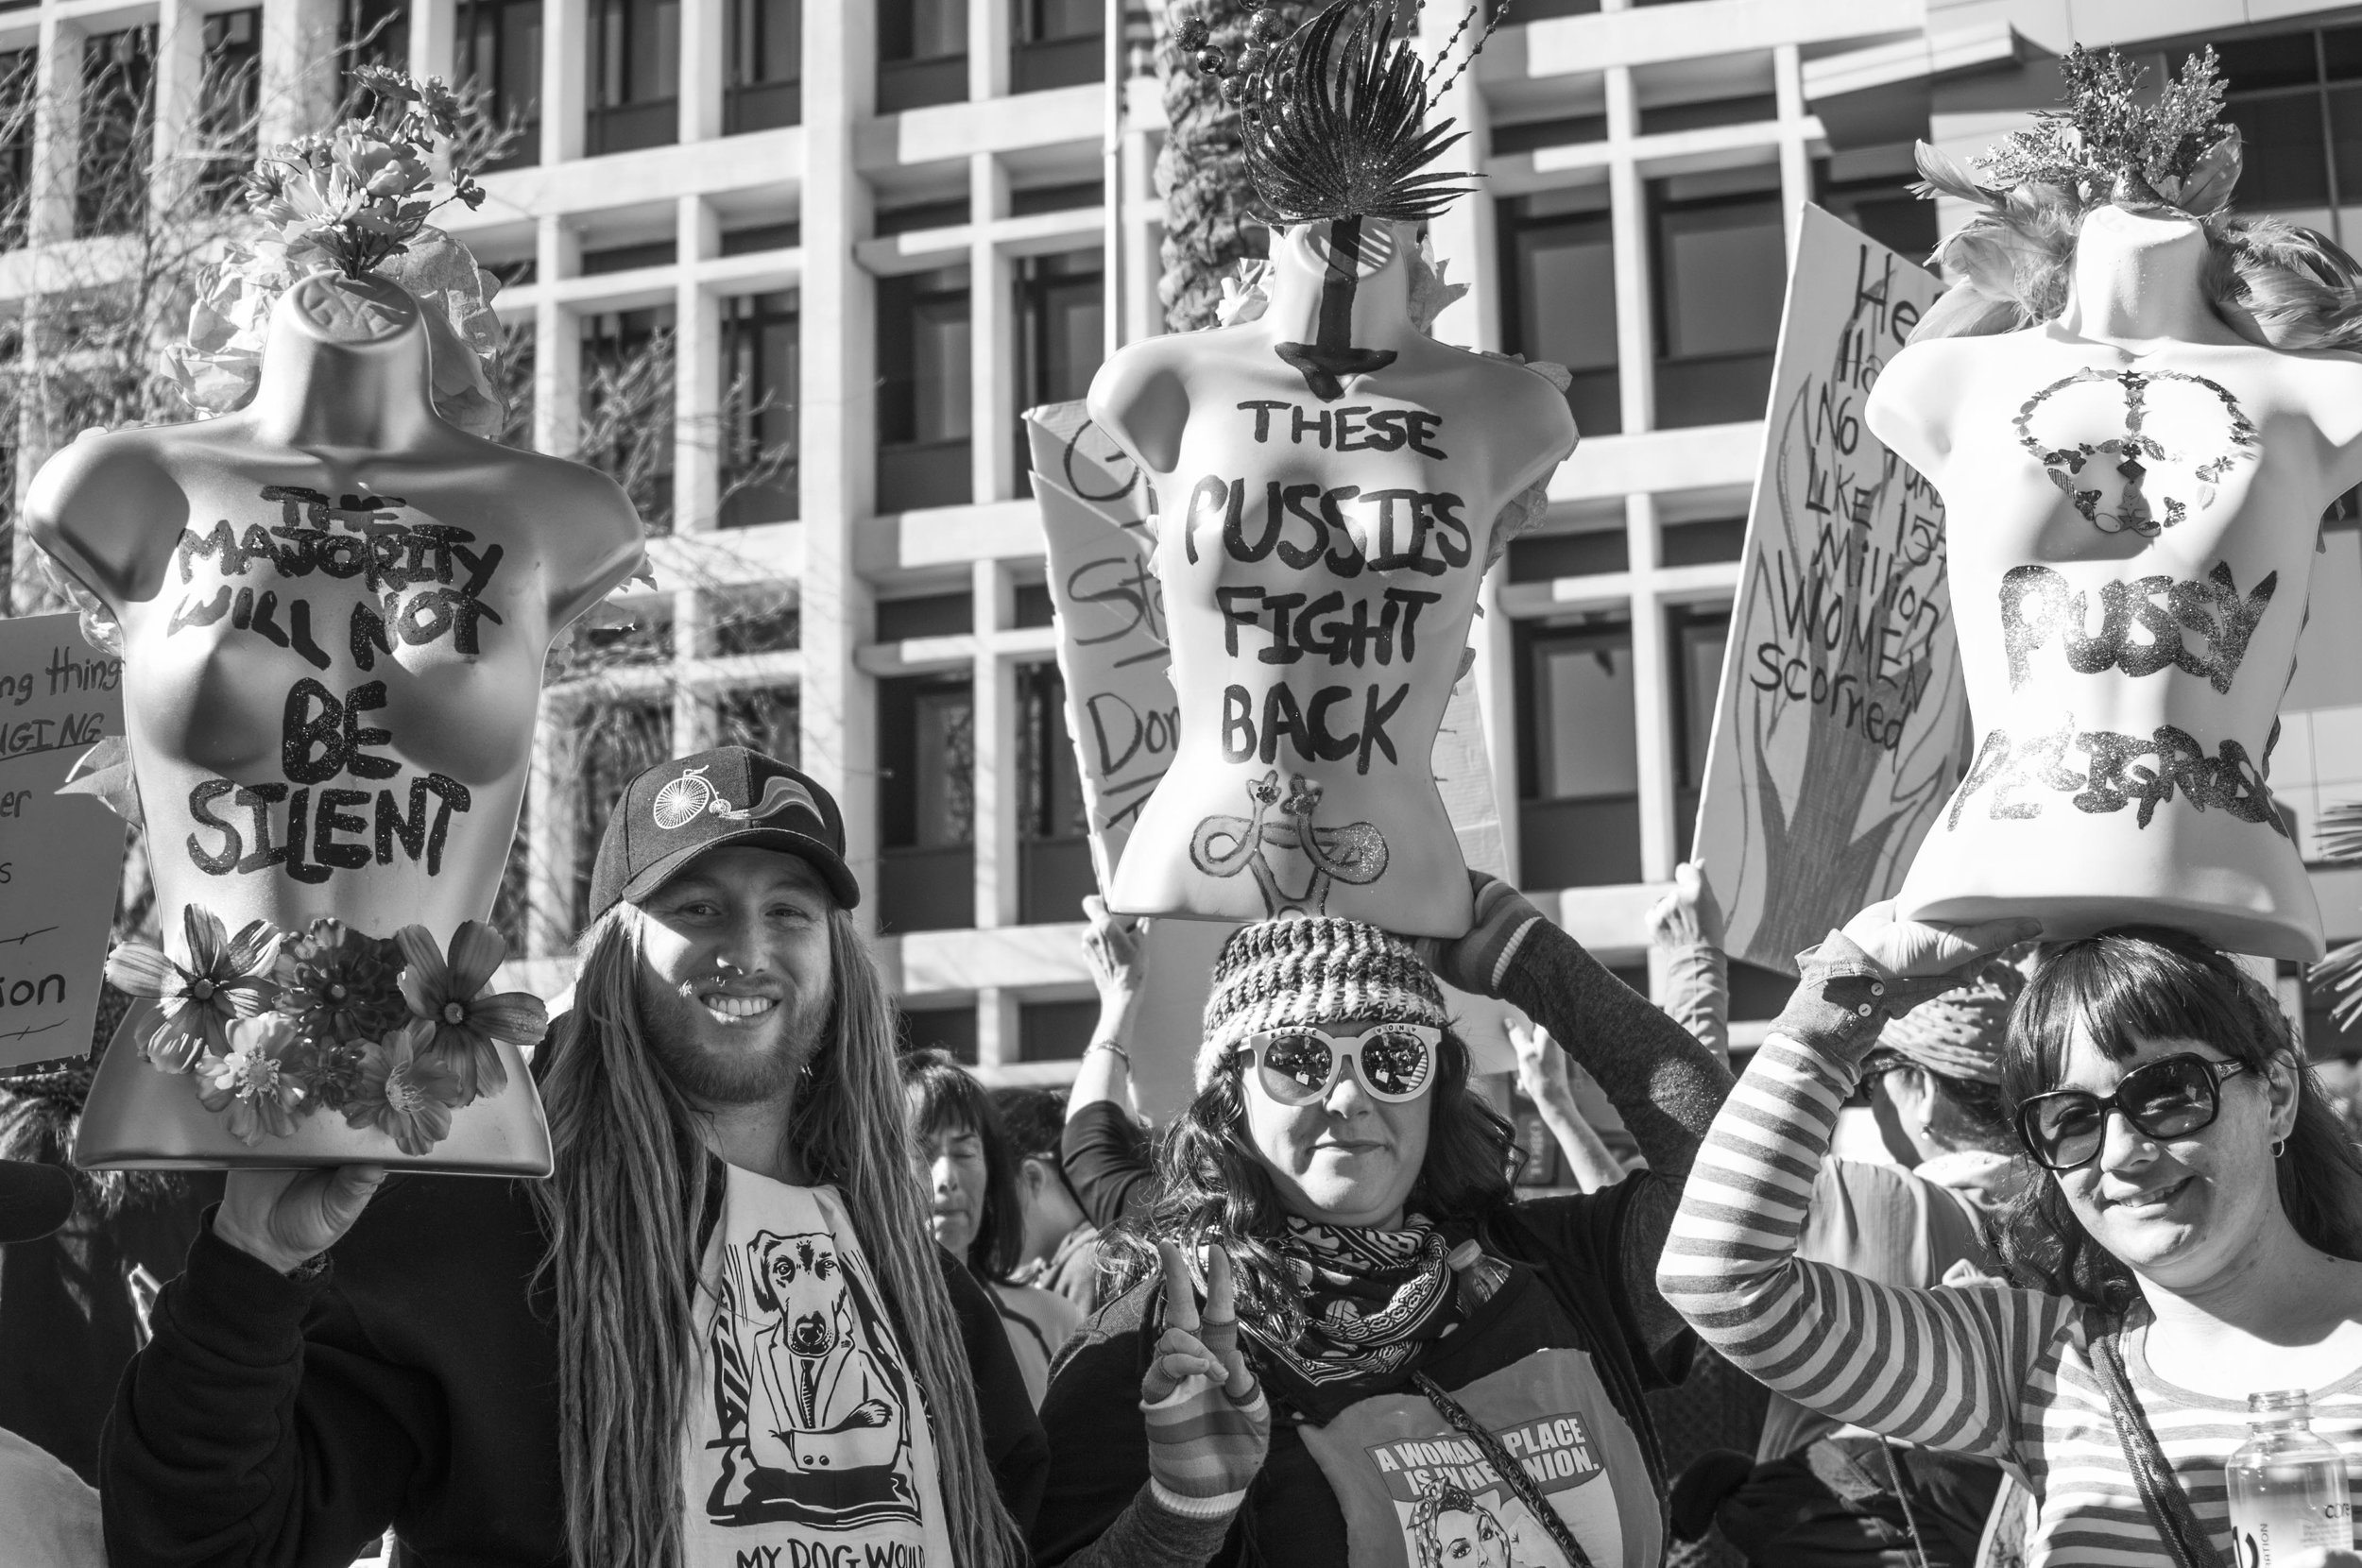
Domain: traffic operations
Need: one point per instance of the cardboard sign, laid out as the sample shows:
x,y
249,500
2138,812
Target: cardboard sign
x,y
1099,539
1840,726
61,855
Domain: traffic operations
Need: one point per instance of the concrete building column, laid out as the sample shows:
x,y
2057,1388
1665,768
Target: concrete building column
x,y
698,441
57,130
550,813
992,357
993,725
180,88
1652,699
999,1025
434,38
299,65
558,344
1795,152
1144,316
1628,206
565,77
704,45
837,471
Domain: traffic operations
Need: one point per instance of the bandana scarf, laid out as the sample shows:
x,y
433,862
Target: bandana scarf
x,y
1370,1300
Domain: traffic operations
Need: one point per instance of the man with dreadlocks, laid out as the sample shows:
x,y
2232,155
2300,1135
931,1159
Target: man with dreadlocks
x,y
719,1334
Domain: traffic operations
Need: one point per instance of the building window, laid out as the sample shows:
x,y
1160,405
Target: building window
x,y
499,55
944,1029
926,804
20,90
614,741
230,101
1061,325
118,132
1055,1030
1697,636
765,76
635,76
923,391
1058,43
1578,762
627,406
372,32
1054,843
2296,99
1559,296
922,52
760,375
1880,205
769,718
1722,268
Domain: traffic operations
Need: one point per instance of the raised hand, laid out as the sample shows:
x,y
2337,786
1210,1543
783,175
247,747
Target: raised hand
x,y
1689,916
1208,1424
287,1217
1502,917
1915,948
1117,948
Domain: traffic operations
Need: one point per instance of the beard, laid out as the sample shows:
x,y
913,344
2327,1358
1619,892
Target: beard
x,y
680,1035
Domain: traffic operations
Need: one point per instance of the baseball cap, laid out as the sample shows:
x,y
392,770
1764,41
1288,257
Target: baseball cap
x,y
677,810
34,1199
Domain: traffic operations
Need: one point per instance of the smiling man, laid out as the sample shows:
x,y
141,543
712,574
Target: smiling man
x,y
719,1334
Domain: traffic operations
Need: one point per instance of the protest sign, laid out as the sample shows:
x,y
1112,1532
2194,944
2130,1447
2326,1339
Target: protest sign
x,y
1840,728
61,855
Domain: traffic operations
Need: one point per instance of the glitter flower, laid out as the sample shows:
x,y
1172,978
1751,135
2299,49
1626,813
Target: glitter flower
x,y
224,980
342,985
446,994
403,1094
250,1082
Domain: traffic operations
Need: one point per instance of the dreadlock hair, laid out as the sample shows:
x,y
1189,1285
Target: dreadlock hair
x,y
943,1097
2145,981
1212,1188
627,1212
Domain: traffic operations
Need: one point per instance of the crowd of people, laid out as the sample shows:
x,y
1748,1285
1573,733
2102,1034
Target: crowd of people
x,y
795,1297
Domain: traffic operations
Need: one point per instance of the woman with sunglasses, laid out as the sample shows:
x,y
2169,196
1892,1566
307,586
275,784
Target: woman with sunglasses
x,y
1381,1318
2192,1235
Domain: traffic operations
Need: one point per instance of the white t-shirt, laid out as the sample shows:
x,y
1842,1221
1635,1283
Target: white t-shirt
x,y
48,1518
808,1441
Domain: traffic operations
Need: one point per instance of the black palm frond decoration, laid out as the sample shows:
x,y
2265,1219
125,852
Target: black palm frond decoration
x,y
1335,122
2339,836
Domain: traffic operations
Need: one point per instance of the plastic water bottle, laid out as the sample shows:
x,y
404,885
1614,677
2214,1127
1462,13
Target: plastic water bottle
x,y
2288,1484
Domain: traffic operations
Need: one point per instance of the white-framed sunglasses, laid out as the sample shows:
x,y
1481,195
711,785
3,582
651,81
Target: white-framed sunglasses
x,y
1299,1065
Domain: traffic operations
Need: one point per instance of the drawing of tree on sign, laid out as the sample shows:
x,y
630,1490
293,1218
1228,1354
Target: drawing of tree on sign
x,y
1840,730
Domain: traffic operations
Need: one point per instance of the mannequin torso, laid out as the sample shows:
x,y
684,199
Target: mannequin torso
x,y
1320,561
334,610
2134,494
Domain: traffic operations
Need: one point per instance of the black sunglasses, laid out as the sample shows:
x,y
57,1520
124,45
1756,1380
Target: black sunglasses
x,y
2170,1098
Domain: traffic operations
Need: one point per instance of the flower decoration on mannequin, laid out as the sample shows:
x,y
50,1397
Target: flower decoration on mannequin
x,y
1336,481
2136,393
334,600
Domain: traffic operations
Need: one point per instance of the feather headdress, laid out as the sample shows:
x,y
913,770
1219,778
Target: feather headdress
x,y
2277,284
1334,126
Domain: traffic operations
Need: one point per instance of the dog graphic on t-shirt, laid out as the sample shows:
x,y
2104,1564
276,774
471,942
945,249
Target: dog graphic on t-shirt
x,y
808,1400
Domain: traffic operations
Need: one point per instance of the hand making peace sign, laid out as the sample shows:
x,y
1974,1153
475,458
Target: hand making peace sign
x,y
1208,1424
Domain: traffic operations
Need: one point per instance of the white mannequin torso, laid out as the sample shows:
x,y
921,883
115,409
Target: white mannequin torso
x,y
2134,494
1321,562
335,606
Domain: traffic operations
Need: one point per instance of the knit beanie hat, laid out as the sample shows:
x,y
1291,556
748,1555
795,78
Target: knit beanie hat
x,y
1958,1034
1278,973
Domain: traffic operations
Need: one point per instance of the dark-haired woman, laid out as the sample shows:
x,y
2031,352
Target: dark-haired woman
x,y
1382,1321
2194,1236
971,1175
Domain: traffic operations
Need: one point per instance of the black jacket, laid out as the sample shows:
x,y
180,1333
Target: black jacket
x,y
271,1423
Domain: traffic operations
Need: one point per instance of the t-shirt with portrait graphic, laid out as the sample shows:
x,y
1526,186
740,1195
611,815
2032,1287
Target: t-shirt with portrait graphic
x,y
808,1442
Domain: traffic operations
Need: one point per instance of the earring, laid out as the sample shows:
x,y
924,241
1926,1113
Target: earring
x,y
2280,1147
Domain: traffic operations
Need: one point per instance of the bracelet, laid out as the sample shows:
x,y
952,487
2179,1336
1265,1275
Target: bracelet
x,y
1110,1046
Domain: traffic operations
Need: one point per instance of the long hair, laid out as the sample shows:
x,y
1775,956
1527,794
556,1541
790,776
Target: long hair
x,y
627,1215
942,1096
1213,1187
2141,981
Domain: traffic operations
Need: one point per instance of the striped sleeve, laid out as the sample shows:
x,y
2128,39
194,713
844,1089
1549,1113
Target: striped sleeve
x,y
1941,1368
